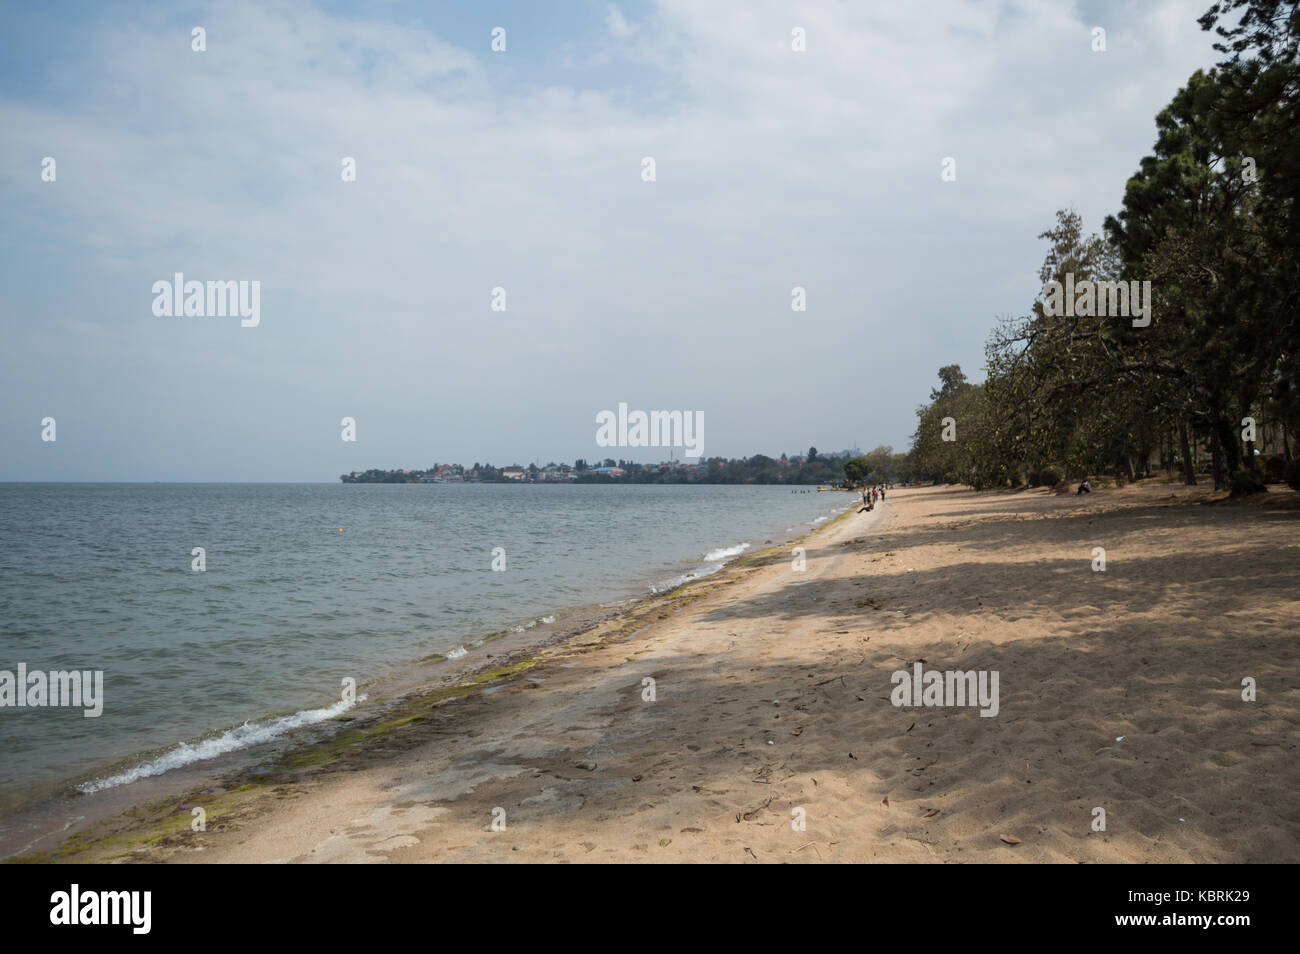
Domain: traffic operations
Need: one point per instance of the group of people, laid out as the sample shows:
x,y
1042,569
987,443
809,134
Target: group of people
x,y
870,495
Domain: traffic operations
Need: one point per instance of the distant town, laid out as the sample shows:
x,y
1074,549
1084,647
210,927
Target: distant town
x,y
810,468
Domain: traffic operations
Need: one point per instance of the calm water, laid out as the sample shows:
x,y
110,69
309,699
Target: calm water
x,y
99,577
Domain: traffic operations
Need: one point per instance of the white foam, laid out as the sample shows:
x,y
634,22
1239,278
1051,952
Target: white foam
x,y
246,735
725,552
458,652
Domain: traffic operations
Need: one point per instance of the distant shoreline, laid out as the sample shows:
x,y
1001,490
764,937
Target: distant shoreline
x,y
814,468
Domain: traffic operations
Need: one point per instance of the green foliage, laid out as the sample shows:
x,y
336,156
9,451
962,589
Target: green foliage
x,y
945,430
880,466
855,469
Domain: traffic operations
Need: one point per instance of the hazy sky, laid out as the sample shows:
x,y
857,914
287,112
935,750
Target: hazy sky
x,y
523,169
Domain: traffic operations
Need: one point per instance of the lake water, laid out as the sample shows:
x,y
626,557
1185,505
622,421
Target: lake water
x,y
100,577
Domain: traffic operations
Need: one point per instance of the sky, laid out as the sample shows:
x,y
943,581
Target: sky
x,y
523,170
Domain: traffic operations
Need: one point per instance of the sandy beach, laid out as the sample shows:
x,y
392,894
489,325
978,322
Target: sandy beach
x,y
770,736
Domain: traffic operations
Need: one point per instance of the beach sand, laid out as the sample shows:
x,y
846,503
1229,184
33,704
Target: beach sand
x,y
1119,690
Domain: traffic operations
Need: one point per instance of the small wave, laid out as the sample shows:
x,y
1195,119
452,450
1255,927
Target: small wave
x,y
726,552
717,560
696,574
458,652
246,735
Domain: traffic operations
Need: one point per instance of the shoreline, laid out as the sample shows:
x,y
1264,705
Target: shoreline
x,y
53,813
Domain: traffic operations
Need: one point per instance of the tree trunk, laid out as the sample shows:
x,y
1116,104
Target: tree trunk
x,y
1189,465
1229,444
1216,458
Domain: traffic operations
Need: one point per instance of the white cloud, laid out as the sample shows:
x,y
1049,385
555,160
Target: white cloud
x,y
617,24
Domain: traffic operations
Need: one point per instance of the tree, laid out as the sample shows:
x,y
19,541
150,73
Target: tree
x,y
1258,116
855,470
933,457
1190,226
950,381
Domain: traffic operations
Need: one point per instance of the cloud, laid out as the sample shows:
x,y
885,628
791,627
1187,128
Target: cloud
x,y
614,20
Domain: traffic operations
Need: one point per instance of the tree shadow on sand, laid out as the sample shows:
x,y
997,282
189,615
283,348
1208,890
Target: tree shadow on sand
x,y
1119,690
